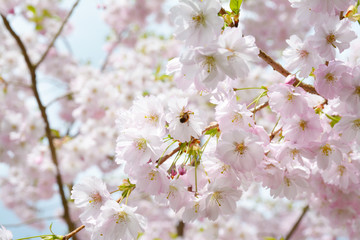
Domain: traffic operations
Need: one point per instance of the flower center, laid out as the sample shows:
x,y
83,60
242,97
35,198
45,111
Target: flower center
x,y
331,39
199,19
357,91
330,78
209,63
326,149
217,197
153,118
357,123
287,181
302,125
240,148
121,218
140,144
152,175
341,169
96,198
303,53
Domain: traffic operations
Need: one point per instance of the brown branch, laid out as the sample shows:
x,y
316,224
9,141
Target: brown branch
x,y
56,35
280,69
72,234
258,108
297,223
32,70
180,229
166,157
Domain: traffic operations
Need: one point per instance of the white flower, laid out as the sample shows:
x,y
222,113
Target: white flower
x,y
221,199
5,234
330,34
197,21
238,51
239,150
137,147
90,194
118,222
300,55
184,123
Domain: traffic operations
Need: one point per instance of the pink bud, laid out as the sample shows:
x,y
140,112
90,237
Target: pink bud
x,y
290,79
182,170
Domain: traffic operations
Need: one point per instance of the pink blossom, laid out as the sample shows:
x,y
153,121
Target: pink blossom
x,y
349,128
342,174
300,55
238,50
238,149
118,222
184,121
350,92
328,82
287,100
151,180
331,34
90,195
221,199
294,182
302,129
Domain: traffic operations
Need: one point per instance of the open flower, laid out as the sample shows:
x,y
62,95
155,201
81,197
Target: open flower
x,y
118,222
239,150
197,21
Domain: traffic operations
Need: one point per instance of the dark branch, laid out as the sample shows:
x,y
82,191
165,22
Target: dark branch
x,y
56,35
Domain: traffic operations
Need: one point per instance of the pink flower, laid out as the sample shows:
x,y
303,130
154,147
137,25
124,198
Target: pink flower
x,y
328,79
238,50
137,147
287,100
300,55
330,34
238,149
118,222
151,180
90,195
204,65
197,22
294,181
231,115
221,199
342,174
184,121
349,128
350,92
302,129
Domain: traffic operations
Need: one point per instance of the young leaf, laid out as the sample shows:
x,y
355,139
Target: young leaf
x,y
235,5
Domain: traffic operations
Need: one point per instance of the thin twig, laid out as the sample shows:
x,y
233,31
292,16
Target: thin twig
x,y
56,35
72,234
59,98
32,70
166,157
296,225
258,108
280,69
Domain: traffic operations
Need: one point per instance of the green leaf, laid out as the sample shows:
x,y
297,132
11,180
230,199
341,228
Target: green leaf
x,y
334,119
55,133
31,8
235,5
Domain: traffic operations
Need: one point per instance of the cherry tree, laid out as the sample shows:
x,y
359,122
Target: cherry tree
x,y
243,124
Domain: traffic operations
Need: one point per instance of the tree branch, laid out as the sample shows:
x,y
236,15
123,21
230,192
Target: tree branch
x,y
32,70
56,35
280,69
296,225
